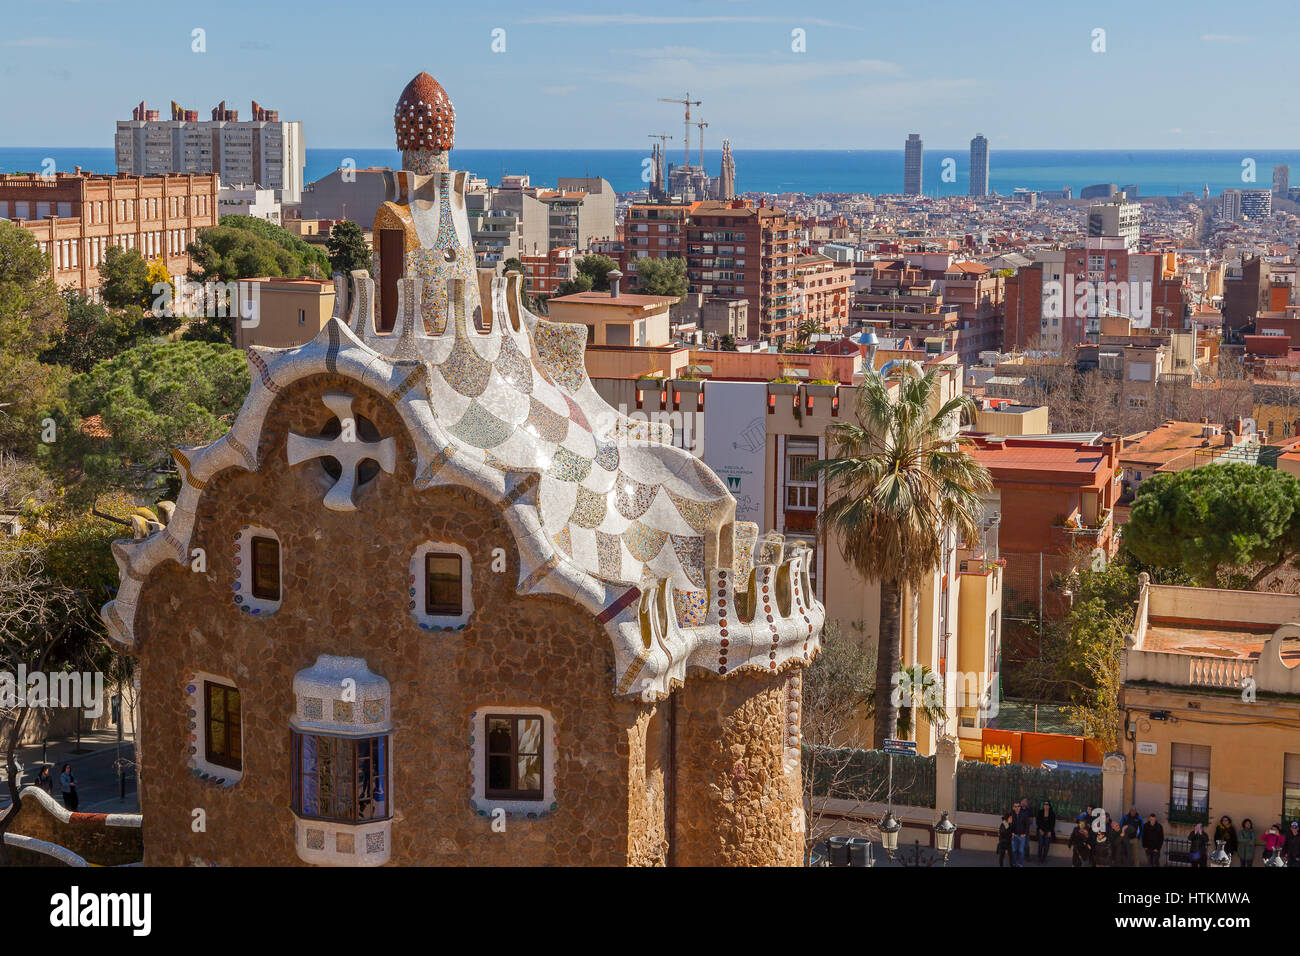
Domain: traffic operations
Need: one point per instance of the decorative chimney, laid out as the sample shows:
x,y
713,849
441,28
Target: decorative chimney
x,y
613,275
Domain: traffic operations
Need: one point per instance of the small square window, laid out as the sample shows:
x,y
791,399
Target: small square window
x,y
266,569
442,584
515,756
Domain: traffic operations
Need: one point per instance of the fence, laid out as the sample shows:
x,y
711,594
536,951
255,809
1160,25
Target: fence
x,y
851,774
990,788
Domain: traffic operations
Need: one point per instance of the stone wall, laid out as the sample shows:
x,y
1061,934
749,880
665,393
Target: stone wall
x,y
345,580
86,834
737,804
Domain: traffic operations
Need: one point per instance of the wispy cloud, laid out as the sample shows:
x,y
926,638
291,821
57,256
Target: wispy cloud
x,y
646,19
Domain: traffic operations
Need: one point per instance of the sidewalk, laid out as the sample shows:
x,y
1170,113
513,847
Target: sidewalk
x,y
97,778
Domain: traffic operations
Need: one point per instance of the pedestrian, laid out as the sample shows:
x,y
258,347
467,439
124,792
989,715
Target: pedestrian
x,y
68,781
1198,842
1153,838
1085,815
45,780
1246,843
1024,819
1004,837
1291,845
1131,835
1272,842
1080,844
1226,834
1121,851
1046,823
1103,850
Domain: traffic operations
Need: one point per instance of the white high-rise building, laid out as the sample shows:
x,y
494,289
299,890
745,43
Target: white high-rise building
x,y
263,151
1116,220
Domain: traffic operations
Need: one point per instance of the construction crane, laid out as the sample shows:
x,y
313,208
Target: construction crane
x,y
702,125
688,103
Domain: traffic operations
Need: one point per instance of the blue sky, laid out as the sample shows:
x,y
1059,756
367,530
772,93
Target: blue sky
x,y
1194,75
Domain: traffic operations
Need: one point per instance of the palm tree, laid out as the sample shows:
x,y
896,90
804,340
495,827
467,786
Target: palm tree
x,y
898,479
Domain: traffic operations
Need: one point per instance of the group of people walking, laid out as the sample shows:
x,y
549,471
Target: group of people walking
x,y
1096,839
66,780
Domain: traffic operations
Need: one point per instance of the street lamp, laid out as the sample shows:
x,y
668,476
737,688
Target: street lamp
x,y
889,827
1219,857
944,831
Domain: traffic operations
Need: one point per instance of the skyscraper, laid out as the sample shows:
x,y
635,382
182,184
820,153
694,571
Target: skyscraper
x,y
1281,181
912,150
979,166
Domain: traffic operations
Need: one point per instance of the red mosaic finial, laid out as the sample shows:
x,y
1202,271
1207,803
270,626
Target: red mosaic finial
x,y
424,118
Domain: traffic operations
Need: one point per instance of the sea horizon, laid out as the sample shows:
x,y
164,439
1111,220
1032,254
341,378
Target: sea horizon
x,y
1156,172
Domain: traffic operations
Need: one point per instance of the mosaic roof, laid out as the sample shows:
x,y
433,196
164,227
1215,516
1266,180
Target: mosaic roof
x,y
604,509
424,117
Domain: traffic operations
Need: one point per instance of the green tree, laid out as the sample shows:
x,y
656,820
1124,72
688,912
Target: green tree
x,y
92,333
596,268
1217,518
513,264
151,399
32,316
899,477
125,275
662,276
347,248
728,343
579,283
244,247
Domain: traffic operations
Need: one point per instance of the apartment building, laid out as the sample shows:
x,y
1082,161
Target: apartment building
x,y
507,221
825,290
933,294
1059,300
736,250
1118,219
1246,293
263,150
76,217
1209,683
579,211
653,231
1056,496
545,272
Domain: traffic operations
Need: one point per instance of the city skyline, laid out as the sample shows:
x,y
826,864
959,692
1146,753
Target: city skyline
x,y
749,62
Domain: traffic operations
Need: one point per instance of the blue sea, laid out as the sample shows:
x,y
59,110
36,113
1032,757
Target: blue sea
x,y
1156,172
